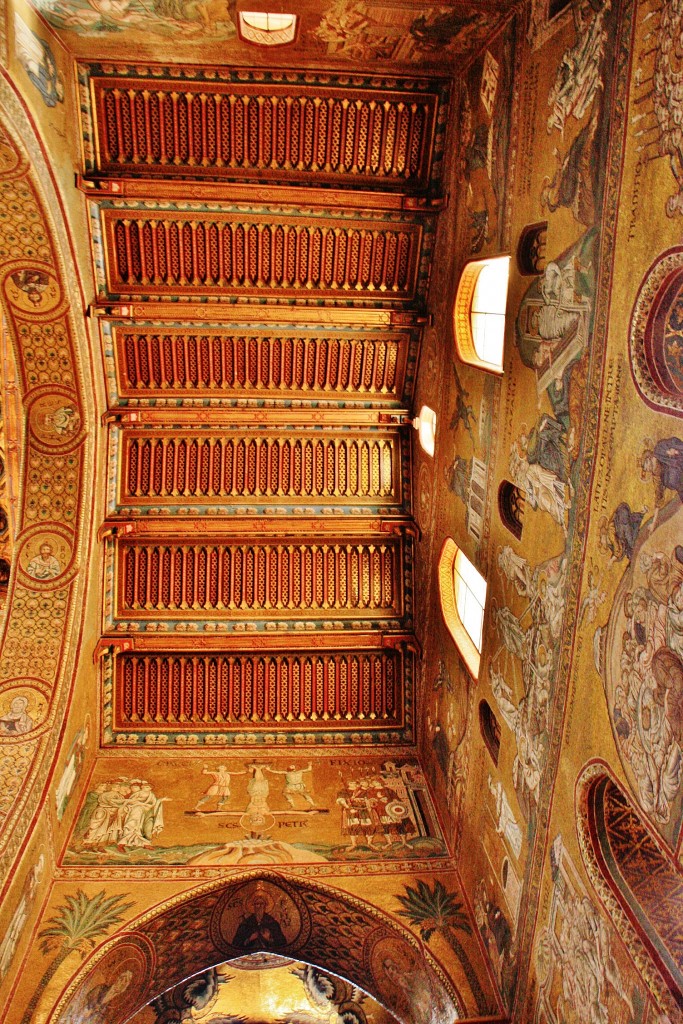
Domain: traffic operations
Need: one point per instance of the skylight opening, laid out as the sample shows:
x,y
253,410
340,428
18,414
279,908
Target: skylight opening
x,y
267,29
425,424
462,593
479,315
470,597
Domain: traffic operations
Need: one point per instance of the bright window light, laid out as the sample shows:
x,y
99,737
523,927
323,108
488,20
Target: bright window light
x,y
267,29
479,315
425,424
462,595
470,597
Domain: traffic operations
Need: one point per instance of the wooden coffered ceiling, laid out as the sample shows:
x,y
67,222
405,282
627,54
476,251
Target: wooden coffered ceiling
x,y
262,246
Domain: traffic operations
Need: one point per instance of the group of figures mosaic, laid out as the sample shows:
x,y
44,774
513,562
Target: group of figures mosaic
x,y
383,810
356,31
639,651
584,972
583,975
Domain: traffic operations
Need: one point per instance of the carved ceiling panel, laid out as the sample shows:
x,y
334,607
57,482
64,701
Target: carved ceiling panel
x,y
262,251
176,249
235,124
338,574
208,691
200,361
302,466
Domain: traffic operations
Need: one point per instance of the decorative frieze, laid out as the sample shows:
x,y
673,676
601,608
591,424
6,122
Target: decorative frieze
x,y
176,249
301,466
291,132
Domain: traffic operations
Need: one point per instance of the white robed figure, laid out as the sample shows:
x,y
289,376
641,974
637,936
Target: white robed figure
x,y
143,815
506,823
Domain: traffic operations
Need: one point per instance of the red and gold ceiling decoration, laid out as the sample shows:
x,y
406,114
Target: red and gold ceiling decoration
x,y
260,343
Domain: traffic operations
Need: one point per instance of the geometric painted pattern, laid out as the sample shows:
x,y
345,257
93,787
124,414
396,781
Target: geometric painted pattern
x,y
210,363
364,137
640,874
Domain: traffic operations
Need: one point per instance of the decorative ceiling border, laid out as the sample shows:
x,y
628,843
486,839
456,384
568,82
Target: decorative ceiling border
x,y
40,293
342,84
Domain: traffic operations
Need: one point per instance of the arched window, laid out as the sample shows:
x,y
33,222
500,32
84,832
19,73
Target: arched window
x,y
490,730
462,592
638,880
479,315
511,507
266,29
531,248
425,424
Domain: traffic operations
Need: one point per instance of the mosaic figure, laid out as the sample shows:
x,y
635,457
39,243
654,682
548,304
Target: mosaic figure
x,y
498,937
581,977
662,463
162,17
38,61
44,565
506,823
294,785
124,813
72,769
648,698
16,721
619,533
527,720
219,790
14,929
579,77
543,489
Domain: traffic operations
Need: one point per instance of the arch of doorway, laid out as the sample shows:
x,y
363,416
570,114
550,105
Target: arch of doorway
x,y
262,912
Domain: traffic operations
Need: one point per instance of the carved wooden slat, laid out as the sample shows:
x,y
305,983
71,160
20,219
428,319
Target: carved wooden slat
x,y
170,580
206,691
367,136
161,255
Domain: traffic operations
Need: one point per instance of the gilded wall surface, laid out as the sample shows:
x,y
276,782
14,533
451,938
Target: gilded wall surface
x,y
244,764
581,663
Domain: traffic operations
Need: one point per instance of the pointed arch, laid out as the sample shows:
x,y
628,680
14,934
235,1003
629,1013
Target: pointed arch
x,y
637,879
324,927
531,249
